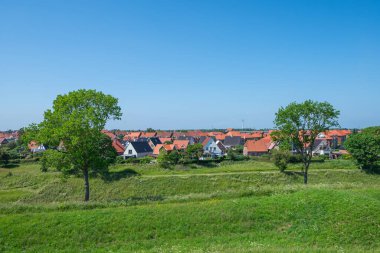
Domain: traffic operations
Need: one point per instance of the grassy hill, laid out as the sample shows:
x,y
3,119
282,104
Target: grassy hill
x,y
235,207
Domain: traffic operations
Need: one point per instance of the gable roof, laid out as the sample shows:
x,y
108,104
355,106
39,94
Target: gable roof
x,y
163,140
232,141
221,146
155,141
109,134
205,141
148,134
181,144
118,146
141,146
156,150
259,146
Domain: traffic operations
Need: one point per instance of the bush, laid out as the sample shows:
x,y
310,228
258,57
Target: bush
x,y
120,160
295,158
281,159
365,148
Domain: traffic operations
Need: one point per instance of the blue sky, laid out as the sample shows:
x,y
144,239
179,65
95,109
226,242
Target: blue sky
x,y
191,64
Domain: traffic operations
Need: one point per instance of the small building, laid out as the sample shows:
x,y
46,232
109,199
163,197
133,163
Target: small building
x,y
213,148
181,144
3,141
137,149
259,147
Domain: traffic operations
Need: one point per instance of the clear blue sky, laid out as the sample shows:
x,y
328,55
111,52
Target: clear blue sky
x,y
191,64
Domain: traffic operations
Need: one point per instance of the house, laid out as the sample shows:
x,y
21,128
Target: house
x,y
132,136
116,144
321,147
259,147
167,147
137,149
233,141
212,148
3,141
34,147
181,144
189,138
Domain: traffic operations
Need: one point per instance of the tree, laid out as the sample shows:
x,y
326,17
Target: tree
x,y
300,124
76,121
195,151
4,156
365,148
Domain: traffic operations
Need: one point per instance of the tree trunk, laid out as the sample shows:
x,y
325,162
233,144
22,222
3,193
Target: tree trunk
x,y
305,177
86,185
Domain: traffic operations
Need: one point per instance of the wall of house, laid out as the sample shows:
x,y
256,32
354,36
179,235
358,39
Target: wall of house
x,y
209,148
126,152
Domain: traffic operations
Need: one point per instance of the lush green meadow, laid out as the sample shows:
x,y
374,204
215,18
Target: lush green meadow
x,y
229,207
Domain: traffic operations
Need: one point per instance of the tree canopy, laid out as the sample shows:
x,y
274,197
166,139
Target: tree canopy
x,y
73,126
365,148
300,124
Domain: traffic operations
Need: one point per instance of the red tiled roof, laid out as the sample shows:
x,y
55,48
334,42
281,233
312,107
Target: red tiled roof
x,y
109,134
261,145
118,146
163,140
148,134
181,144
156,150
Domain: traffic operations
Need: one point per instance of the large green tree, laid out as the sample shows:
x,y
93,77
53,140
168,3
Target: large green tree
x,y
300,124
74,125
365,148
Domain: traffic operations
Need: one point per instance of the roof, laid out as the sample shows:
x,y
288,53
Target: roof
x,y
221,146
259,146
232,141
3,140
109,134
163,140
141,146
164,134
181,144
155,141
148,134
156,150
205,141
118,146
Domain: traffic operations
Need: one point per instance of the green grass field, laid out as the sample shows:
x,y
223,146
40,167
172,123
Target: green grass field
x,y
232,207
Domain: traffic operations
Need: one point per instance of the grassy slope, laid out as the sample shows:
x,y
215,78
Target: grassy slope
x,y
232,208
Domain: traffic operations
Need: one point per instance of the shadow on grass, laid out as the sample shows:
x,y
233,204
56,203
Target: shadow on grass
x,y
117,175
293,173
10,166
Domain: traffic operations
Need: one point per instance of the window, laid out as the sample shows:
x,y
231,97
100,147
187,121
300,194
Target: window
x,y
130,152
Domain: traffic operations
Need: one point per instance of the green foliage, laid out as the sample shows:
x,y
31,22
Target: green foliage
x,y
194,152
365,148
76,120
281,159
236,153
168,159
4,156
300,124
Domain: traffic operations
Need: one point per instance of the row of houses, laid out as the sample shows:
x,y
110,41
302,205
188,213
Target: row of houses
x,y
256,143
214,143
